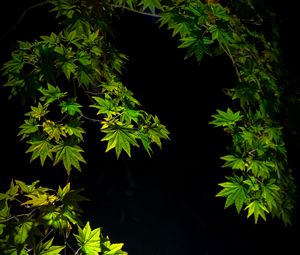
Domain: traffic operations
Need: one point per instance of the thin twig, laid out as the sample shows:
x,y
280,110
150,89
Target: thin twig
x,y
21,18
91,119
136,11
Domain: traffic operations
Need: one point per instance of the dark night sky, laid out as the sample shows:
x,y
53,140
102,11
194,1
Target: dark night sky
x,y
166,204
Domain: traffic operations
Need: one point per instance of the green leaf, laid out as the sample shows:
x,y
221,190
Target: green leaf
x,y
11,193
72,36
25,187
54,130
68,68
57,220
38,112
40,148
51,94
15,65
22,232
70,155
259,168
120,138
156,131
4,211
73,128
88,240
38,199
235,192
24,45
105,105
257,209
187,41
274,133
30,126
146,142
71,107
183,29
227,118
70,198
151,4
83,58
115,249
53,39
48,249
234,162
220,12
270,192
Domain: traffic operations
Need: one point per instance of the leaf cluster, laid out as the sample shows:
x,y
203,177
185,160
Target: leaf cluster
x,y
33,217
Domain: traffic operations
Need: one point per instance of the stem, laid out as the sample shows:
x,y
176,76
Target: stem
x,y
90,119
136,11
19,215
227,51
22,17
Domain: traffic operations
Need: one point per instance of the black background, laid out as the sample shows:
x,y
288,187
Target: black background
x,y
165,204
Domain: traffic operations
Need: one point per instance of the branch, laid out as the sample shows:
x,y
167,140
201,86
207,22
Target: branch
x,y
136,11
90,119
22,17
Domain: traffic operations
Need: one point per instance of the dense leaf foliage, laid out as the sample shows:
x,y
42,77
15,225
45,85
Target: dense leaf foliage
x,y
74,75
258,156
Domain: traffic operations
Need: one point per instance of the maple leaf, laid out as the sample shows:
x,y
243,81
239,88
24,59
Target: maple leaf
x,y
104,105
70,155
70,198
112,249
257,209
225,118
51,94
41,148
54,130
151,4
156,131
70,107
270,192
234,162
259,168
48,249
120,138
29,126
37,112
73,128
22,232
38,199
235,192
88,239
27,188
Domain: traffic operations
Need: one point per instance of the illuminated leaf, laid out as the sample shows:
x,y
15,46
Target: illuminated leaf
x,y
70,155
30,126
51,94
225,118
40,148
88,240
38,199
71,107
257,209
151,4
235,193
234,162
48,249
73,128
22,232
120,138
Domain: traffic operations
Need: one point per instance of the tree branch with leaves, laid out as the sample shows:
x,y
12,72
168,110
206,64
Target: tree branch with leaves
x,y
75,75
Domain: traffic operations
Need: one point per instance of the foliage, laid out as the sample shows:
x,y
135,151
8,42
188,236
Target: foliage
x,y
32,217
66,75
261,181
